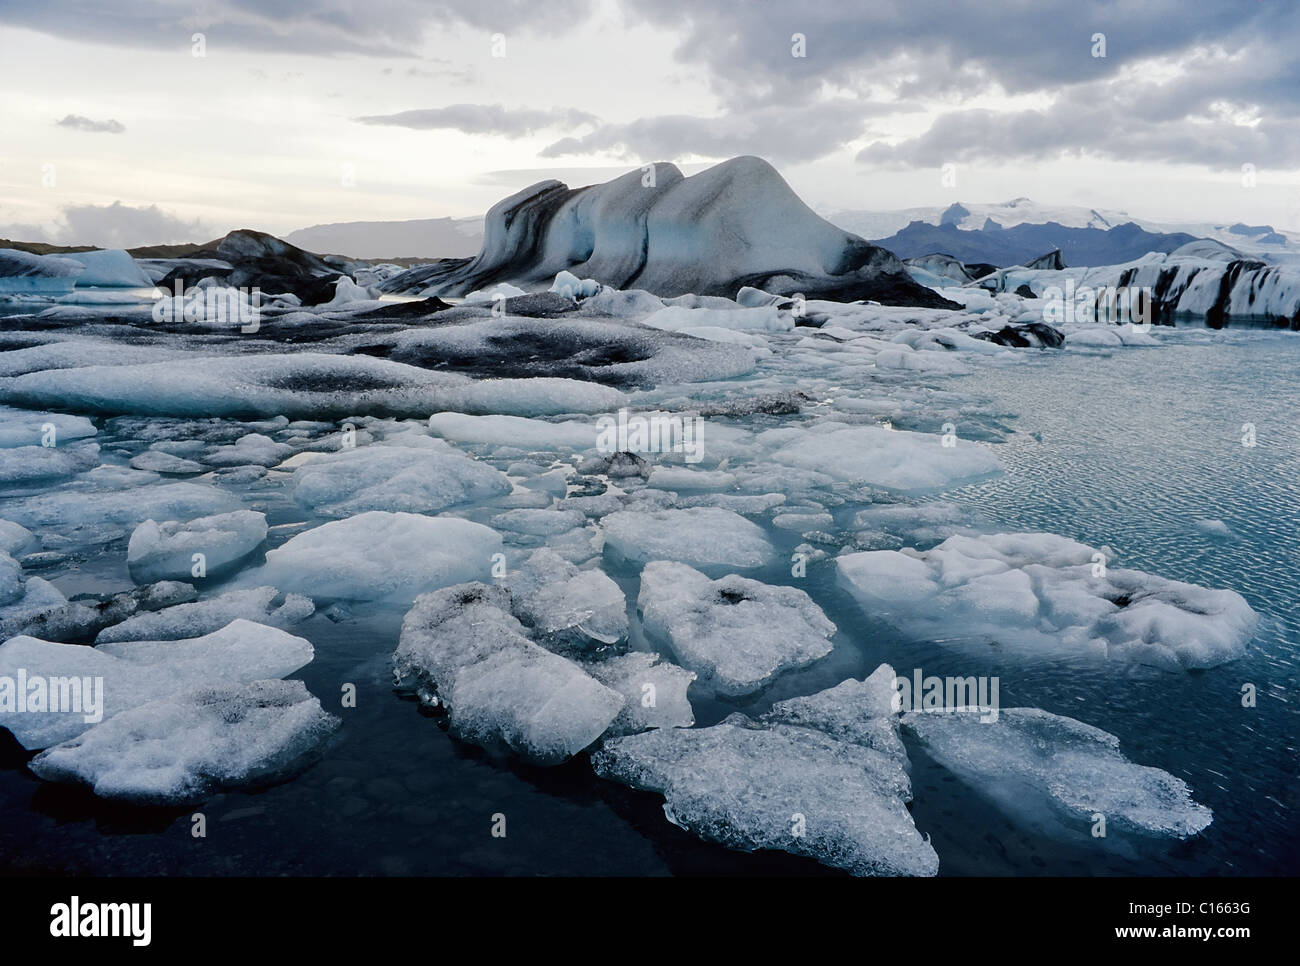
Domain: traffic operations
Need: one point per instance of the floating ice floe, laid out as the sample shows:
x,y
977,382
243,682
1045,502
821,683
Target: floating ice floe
x,y
180,748
1039,595
654,691
133,674
862,712
300,385
118,507
167,551
34,464
261,605
702,536
737,634
380,555
501,689
23,428
753,786
564,605
516,431
896,460
426,477
1028,758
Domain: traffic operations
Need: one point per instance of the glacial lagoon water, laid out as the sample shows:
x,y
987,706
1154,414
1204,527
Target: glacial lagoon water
x,y
1131,449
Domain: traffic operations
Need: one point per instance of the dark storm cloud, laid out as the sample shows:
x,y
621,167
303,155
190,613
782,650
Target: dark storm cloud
x,y
481,119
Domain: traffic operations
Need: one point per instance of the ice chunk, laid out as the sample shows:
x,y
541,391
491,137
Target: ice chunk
x,y
862,712
654,691
753,787
167,550
540,396
1041,595
532,434
17,540
133,674
20,427
501,688
703,536
895,460
736,633
253,449
157,461
110,267
195,619
1029,754
120,507
183,747
538,522
406,478
571,287
306,385
32,464
567,606
11,579
378,555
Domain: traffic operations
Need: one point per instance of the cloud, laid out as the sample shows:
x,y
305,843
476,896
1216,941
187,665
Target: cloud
x,y
1203,108
113,226
482,119
79,123
384,28
776,132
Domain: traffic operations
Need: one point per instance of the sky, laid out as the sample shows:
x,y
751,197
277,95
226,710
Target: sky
x,y
129,122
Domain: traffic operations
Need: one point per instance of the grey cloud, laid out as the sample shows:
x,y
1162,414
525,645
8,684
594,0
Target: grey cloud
x,y
776,132
113,226
79,123
482,119
372,27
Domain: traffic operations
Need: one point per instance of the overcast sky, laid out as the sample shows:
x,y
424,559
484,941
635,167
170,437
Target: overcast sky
x,y
114,131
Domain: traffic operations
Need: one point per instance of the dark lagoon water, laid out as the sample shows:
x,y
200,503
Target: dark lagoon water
x,y
1130,449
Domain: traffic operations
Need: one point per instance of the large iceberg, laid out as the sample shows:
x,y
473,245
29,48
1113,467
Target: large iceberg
x,y
733,225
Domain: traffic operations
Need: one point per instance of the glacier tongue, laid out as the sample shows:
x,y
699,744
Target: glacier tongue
x,y
1029,753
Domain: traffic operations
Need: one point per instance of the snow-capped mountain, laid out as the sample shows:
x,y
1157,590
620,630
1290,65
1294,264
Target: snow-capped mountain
x,y
964,216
